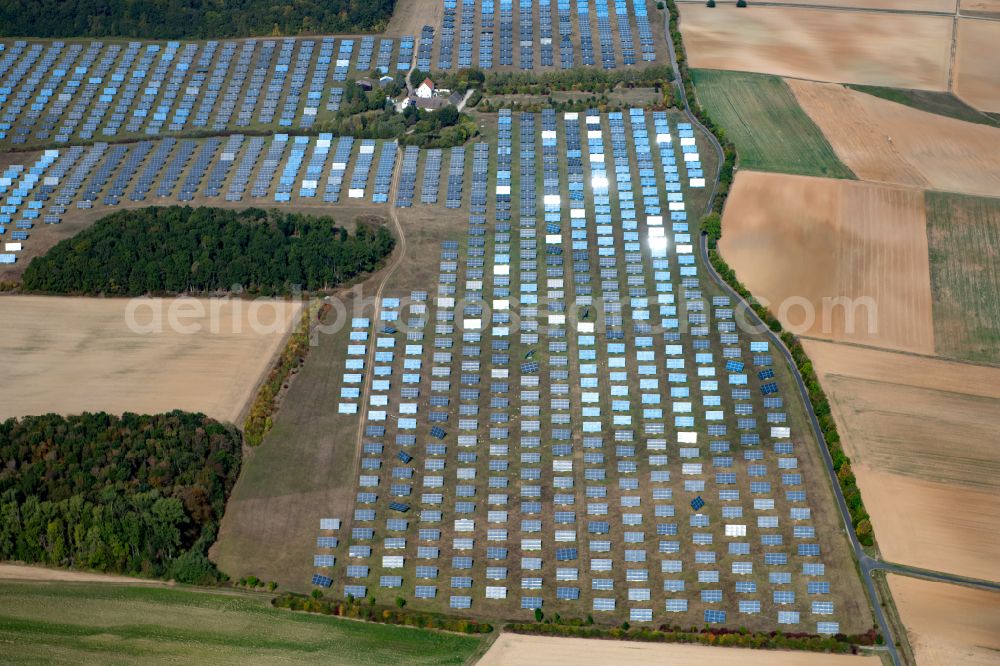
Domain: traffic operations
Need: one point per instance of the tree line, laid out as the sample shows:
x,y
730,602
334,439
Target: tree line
x,y
132,494
190,19
584,79
179,249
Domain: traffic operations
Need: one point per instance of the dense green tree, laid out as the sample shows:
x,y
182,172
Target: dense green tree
x,y
130,494
198,19
196,250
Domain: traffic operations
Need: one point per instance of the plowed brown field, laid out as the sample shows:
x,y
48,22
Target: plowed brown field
x,y
887,142
898,50
977,72
948,624
920,434
801,243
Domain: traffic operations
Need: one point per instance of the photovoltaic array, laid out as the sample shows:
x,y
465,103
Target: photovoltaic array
x,y
667,489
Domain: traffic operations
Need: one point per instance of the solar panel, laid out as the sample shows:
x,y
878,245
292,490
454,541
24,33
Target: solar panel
x,y
322,581
715,617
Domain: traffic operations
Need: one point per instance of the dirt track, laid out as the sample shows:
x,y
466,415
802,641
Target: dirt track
x,y
886,142
24,572
515,650
803,242
907,51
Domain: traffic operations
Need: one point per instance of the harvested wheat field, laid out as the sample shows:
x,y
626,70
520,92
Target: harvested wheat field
x,y
976,75
948,624
900,50
920,433
70,355
514,650
804,244
980,6
941,6
886,142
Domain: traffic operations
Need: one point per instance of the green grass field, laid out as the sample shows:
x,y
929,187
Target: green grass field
x,y
963,237
943,104
760,115
95,623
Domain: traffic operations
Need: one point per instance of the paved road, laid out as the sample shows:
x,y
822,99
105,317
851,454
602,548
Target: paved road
x,y
752,317
873,564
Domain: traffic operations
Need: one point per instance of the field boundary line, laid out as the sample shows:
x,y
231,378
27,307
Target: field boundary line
x,y
903,352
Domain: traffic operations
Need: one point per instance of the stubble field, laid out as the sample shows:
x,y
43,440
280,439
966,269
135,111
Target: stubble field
x,y
514,650
901,50
801,243
948,624
976,75
70,355
886,142
920,435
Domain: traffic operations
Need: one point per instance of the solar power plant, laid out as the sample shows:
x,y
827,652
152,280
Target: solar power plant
x,y
384,58
405,56
65,91
642,468
456,177
309,184
127,172
269,165
338,168
408,177
343,62
526,34
447,46
362,168
661,493
425,46
366,50
584,27
195,174
432,177
466,34
238,185
290,172
384,170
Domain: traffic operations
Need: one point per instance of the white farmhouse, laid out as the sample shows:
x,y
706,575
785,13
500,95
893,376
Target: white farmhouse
x,y
426,89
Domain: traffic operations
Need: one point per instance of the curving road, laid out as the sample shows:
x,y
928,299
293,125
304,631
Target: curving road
x,y
866,564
